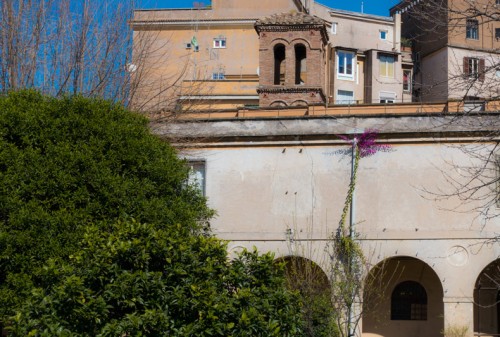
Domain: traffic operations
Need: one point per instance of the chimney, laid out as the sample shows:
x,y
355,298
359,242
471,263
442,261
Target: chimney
x,y
397,31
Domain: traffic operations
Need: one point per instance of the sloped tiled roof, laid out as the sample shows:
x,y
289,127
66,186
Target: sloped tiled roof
x,y
291,18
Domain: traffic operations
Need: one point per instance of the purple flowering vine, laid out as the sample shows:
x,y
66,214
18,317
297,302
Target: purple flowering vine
x,y
363,145
366,143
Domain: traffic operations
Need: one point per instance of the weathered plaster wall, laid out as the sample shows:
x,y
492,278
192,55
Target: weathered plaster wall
x,y
279,185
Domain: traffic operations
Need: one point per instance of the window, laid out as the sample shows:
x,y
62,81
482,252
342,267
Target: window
x,y
383,35
279,64
498,2
407,80
188,45
345,97
220,42
197,175
473,104
300,64
386,65
387,97
345,61
472,29
497,33
333,29
409,302
218,76
474,68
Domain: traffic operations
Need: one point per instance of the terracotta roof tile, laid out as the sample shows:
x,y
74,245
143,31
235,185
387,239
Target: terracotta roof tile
x,y
291,18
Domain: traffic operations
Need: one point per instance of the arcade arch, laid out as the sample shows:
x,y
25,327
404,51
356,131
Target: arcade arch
x,y
307,278
404,298
487,301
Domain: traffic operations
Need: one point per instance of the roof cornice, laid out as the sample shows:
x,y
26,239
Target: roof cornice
x,y
221,22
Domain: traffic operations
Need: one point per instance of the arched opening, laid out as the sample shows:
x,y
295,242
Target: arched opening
x,y
309,280
487,301
279,64
403,296
278,104
299,103
300,64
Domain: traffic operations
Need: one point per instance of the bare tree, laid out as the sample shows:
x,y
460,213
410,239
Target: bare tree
x,y
165,83
456,50
60,46
85,47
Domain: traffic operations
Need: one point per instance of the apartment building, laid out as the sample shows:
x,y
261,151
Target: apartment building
x,y
456,46
368,63
205,57
210,57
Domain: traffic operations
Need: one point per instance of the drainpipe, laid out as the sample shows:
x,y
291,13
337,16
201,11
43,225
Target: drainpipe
x,y
354,148
351,207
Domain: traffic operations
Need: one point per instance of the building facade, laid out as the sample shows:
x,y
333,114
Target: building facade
x,y
209,57
271,146
456,48
278,179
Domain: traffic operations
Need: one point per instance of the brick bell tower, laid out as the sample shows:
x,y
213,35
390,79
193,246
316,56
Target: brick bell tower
x,y
292,51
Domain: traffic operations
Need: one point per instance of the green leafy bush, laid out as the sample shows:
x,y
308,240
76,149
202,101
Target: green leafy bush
x,y
67,163
141,280
74,173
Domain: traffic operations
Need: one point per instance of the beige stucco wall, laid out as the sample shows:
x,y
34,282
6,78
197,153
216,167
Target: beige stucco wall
x,y
221,9
170,60
459,12
285,186
432,78
357,31
442,75
460,87
286,196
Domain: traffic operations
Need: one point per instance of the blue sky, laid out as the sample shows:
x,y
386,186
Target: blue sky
x,y
378,7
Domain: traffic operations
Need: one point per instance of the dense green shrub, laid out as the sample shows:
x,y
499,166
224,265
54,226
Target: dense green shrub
x,y
67,163
101,235
141,280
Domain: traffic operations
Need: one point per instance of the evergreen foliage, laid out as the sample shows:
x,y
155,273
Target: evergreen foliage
x,y
66,163
74,174
141,280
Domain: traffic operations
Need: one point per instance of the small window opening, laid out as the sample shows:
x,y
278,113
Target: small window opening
x,y
333,29
220,43
472,29
409,302
407,80
279,64
300,64
197,174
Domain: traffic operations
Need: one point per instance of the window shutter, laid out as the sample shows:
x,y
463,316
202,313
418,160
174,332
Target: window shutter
x,y
481,70
466,66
